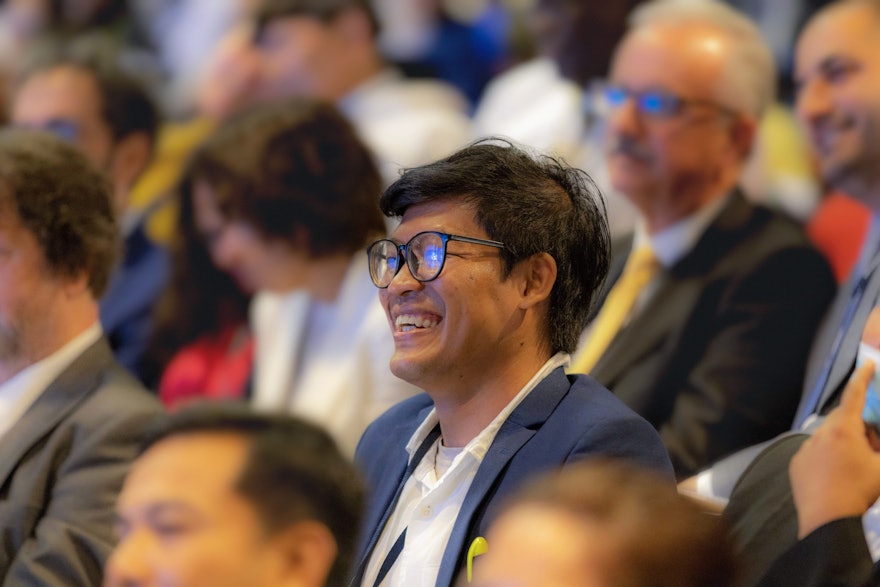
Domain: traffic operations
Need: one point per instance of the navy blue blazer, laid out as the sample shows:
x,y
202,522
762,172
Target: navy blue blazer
x,y
564,419
127,306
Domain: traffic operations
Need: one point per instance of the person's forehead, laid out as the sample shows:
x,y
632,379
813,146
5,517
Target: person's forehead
x,y
205,464
445,215
669,55
60,91
850,30
288,25
551,538
10,221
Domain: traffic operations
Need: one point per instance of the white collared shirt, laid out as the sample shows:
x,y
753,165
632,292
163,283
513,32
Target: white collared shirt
x,y
675,241
23,389
431,500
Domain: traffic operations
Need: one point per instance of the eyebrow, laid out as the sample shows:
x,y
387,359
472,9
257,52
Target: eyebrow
x,y
159,508
826,65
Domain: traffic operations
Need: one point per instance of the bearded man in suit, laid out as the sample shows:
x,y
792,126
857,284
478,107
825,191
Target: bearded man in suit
x,y
70,416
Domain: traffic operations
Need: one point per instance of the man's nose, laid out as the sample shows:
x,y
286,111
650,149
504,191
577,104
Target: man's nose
x,y
128,565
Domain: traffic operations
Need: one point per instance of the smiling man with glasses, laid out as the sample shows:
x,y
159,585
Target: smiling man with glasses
x,y
487,282
712,302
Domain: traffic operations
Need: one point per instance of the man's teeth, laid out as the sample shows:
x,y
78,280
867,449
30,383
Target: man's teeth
x,y
407,322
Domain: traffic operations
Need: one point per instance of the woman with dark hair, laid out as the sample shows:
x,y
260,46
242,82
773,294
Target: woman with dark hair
x,y
201,343
285,197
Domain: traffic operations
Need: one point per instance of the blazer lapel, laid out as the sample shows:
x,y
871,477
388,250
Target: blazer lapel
x,y
846,355
392,479
519,427
69,389
661,316
678,291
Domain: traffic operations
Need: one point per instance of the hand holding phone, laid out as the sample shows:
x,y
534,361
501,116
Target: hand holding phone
x,y
871,413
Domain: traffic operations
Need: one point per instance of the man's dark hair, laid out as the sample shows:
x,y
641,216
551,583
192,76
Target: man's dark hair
x,y
323,10
126,106
297,172
532,204
63,201
294,471
660,538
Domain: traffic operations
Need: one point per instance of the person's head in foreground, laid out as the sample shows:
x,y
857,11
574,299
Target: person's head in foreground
x,y
604,524
223,496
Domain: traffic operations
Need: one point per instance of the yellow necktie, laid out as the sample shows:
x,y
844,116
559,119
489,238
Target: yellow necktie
x,y
636,275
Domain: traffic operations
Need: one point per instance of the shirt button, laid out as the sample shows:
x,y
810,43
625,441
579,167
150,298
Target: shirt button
x,y
427,511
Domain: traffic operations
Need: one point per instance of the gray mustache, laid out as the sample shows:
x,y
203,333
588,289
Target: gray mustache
x,y
628,147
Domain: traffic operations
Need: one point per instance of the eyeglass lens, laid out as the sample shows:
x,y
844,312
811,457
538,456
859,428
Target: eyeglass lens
x,y
425,254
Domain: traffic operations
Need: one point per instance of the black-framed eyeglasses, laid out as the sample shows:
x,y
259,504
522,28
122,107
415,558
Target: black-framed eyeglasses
x,y
424,254
656,104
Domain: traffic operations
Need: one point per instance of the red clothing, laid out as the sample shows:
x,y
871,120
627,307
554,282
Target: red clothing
x,y
838,228
216,366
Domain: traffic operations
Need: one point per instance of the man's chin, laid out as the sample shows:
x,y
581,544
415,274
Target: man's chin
x,y
407,369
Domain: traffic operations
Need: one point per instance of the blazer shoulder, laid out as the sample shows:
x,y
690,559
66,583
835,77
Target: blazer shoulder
x,y
605,426
120,402
754,239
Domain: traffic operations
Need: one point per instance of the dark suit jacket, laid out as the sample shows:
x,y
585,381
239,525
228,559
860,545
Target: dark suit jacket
x,y
134,288
761,510
565,418
845,356
834,555
61,468
715,358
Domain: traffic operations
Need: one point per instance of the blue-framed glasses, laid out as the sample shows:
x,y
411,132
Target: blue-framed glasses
x,y
66,130
657,104
424,255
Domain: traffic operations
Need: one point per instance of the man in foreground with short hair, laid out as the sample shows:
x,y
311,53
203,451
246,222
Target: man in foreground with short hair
x,y
487,283
70,416
221,496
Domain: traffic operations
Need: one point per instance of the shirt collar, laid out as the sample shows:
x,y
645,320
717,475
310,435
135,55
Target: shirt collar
x,y
675,241
479,445
22,390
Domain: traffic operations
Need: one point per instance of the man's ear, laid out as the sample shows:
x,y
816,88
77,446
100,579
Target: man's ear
x,y
308,551
77,285
537,274
130,159
743,134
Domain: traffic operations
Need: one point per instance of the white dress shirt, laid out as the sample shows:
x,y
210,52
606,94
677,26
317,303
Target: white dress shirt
x,y
434,494
327,363
23,389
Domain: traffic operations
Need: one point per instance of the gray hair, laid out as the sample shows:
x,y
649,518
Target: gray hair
x,y
748,84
